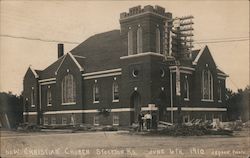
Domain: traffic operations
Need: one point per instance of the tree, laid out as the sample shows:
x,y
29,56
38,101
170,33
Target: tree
x,y
11,109
238,104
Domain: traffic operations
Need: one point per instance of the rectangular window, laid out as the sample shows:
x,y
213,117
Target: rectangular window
x,y
96,120
53,120
64,120
49,97
186,89
45,121
115,120
32,98
96,93
115,92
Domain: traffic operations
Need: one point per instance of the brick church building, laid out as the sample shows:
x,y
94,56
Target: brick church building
x,y
112,76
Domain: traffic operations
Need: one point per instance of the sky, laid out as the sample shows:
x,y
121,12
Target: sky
x,y
75,21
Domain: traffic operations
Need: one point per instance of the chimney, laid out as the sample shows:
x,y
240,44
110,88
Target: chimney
x,y
60,49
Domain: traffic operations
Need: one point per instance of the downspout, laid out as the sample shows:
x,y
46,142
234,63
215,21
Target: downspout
x,y
171,99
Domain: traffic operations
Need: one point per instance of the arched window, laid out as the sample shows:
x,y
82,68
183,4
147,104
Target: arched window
x,y
207,85
115,92
139,40
186,89
158,41
219,92
68,89
96,93
130,42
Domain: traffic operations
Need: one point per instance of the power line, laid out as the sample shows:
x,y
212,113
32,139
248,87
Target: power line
x,y
38,39
219,40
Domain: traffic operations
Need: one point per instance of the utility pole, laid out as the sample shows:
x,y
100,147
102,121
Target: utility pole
x,y
181,50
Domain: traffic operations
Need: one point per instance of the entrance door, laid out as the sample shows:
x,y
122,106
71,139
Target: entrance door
x,y
135,102
162,106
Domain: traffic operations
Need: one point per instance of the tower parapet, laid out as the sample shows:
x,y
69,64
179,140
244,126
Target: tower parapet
x,y
137,10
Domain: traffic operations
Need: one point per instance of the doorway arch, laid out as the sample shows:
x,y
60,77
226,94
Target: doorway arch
x,y
135,103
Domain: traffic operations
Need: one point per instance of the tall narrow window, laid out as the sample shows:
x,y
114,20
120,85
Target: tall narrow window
x,y
158,41
207,85
32,97
130,42
139,40
186,89
49,97
219,92
96,93
68,89
115,92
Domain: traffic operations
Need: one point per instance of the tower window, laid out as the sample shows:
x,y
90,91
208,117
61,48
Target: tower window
x,y
207,85
130,42
158,41
139,40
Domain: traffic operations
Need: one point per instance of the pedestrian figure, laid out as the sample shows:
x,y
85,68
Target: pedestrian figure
x,y
148,117
72,119
140,121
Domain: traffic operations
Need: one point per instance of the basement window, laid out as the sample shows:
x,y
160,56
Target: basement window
x,y
96,120
115,120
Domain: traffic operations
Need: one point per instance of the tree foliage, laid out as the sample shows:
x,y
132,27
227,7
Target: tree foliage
x,y
238,104
11,106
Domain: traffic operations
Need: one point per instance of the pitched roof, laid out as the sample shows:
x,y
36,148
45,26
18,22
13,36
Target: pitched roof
x,y
105,49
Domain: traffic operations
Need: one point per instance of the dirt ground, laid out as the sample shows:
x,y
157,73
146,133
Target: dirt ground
x,y
121,144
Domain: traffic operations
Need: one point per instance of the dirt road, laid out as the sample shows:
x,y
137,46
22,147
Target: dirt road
x,y
121,144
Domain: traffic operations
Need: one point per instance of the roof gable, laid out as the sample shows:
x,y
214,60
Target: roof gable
x,y
204,54
32,71
72,58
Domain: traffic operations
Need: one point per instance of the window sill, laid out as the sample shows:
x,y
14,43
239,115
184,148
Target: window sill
x,y
33,106
95,102
96,124
219,101
115,124
207,100
49,104
72,103
186,99
115,101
